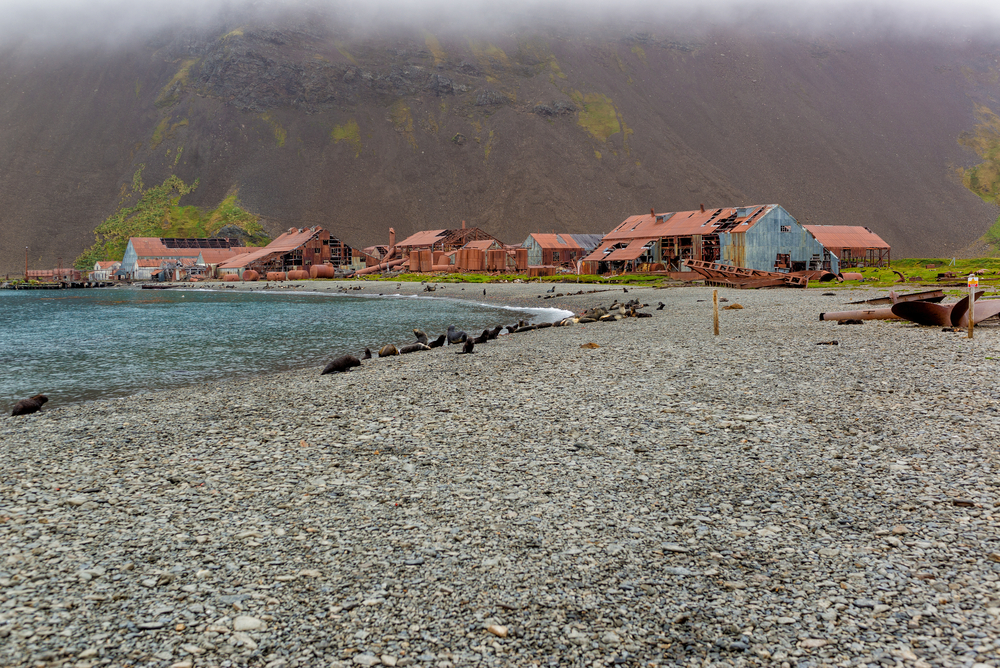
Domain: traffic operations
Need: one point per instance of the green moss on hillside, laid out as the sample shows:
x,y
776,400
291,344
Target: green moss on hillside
x,y
349,132
280,134
170,94
402,120
598,115
157,213
984,178
434,46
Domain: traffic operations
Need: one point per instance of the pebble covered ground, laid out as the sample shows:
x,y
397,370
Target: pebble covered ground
x,y
667,498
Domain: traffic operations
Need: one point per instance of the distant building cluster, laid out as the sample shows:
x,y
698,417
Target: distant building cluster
x,y
760,237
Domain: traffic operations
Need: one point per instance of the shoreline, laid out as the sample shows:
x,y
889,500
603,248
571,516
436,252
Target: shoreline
x,y
669,496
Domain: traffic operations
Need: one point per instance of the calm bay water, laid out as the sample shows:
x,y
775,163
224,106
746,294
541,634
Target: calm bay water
x,y
79,345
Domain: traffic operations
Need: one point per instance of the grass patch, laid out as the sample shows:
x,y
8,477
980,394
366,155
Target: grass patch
x,y
598,115
402,121
984,178
640,52
348,132
339,46
434,46
232,33
171,93
885,277
280,134
157,213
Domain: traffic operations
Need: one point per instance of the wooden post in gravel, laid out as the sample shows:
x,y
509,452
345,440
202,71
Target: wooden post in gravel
x,y
715,311
973,284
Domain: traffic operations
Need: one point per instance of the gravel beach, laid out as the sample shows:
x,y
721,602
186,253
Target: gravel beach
x,y
666,498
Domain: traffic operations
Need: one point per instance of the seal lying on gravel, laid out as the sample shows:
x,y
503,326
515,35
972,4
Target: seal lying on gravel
x,y
421,337
468,347
341,364
367,355
413,348
29,405
387,351
456,336
438,342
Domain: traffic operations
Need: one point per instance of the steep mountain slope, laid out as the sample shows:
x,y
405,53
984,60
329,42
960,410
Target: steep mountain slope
x,y
540,128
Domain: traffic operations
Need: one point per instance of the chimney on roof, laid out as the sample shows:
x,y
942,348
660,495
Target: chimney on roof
x,y
292,230
651,211
463,224
703,208
392,237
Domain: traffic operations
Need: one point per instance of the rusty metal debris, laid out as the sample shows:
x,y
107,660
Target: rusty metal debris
x,y
725,276
893,298
923,309
865,314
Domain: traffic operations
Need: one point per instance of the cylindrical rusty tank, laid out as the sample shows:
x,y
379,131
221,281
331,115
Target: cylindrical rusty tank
x,y
440,258
852,276
230,277
414,260
275,275
250,275
298,275
426,261
521,259
321,271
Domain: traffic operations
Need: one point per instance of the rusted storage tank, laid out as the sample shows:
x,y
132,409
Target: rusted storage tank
x,y
852,276
321,271
440,257
442,267
415,260
275,275
250,275
426,261
521,259
298,275
230,277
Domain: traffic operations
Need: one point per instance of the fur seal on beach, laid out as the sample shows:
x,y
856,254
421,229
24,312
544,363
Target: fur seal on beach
x,y
468,347
660,307
438,342
495,332
387,351
341,364
421,337
511,329
543,325
482,338
413,348
456,336
29,405
367,355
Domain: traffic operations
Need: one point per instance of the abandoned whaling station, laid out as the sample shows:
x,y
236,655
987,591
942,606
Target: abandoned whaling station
x,y
743,246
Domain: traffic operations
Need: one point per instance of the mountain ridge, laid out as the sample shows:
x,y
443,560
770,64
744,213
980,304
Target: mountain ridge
x,y
536,129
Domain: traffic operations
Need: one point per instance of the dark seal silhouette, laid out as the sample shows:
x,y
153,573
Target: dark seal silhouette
x,y
456,336
29,405
468,347
421,337
413,348
367,355
341,364
495,332
438,342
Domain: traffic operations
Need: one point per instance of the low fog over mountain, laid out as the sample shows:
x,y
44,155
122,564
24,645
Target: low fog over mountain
x,y
534,117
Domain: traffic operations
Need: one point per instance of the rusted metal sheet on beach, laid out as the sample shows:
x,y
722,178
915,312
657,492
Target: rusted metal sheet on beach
x,y
924,313
984,309
893,298
864,314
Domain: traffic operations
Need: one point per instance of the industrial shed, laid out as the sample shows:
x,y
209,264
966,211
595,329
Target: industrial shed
x,y
763,237
561,250
156,248
854,246
444,240
295,249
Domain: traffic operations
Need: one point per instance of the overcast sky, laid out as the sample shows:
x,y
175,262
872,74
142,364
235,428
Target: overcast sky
x,y
110,21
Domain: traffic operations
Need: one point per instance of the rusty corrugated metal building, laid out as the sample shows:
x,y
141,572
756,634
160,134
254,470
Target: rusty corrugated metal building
x,y
295,249
562,250
854,245
764,237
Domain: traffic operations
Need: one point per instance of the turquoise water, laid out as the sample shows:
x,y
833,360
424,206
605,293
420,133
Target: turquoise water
x,y
79,345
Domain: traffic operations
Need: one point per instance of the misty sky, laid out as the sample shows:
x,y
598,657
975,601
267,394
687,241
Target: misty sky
x,y
112,21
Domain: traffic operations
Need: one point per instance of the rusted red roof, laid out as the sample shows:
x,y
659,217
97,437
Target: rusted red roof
x,y
482,244
686,223
425,238
107,264
217,255
154,247
286,242
555,241
636,248
148,263
845,236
